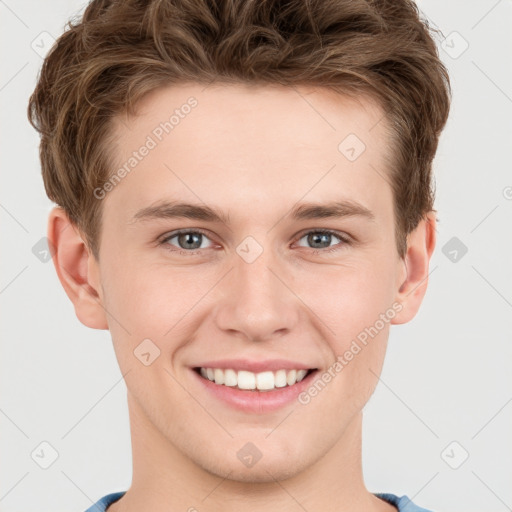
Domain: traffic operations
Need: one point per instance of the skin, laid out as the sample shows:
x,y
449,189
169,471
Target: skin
x,y
253,153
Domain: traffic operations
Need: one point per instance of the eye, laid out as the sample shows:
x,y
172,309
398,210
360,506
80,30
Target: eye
x,y
187,240
320,239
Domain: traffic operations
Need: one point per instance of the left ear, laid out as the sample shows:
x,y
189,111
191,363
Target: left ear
x,y
420,246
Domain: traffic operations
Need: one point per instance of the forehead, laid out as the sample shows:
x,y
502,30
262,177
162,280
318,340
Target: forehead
x,y
219,109
246,144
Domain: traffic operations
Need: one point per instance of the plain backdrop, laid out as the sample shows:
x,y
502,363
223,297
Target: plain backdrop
x,y
438,426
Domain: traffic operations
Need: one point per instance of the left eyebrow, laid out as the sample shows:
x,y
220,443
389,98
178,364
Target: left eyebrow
x,y
334,209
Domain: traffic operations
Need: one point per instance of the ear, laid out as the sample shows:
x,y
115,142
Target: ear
x,y
77,269
413,281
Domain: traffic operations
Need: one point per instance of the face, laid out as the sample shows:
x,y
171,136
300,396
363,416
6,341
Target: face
x,y
284,259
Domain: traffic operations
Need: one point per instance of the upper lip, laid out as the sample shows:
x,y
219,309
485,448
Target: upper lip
x,y
255,366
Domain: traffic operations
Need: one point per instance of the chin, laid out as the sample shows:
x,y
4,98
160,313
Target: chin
x,y
261,473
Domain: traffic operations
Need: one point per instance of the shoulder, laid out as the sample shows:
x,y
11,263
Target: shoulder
x,y
102,504
402,503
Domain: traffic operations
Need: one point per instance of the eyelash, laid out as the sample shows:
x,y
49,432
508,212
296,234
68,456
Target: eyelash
x,y
344,239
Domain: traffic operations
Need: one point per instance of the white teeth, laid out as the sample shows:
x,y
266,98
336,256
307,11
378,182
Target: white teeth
x,y
230,378
246,380
263,381
291,377
301,374
219,376
280,379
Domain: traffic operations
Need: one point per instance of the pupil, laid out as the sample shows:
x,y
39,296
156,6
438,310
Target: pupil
x,y
317,238
187,238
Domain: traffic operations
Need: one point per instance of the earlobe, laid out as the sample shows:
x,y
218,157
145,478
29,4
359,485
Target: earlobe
x,y
411,290
77,270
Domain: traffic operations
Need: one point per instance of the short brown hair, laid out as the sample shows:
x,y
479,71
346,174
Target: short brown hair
x,y
120,50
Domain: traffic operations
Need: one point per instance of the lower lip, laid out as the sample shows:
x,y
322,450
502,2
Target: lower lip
x,y
256,401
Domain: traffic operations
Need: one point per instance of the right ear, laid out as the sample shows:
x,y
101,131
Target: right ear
x,y
77,269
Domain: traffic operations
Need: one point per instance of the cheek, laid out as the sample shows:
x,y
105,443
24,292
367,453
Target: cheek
x,y
354,305
149,297
147,301
348,298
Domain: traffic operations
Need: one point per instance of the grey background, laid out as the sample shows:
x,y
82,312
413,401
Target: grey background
x,y
447,374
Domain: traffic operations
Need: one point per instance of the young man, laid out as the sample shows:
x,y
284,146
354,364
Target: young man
x,y
244,201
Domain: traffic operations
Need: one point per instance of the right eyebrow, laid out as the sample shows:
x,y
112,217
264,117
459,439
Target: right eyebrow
x,y
173,209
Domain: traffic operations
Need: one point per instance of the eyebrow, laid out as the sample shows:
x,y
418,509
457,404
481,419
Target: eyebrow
x,y
174,209
334,209
305,211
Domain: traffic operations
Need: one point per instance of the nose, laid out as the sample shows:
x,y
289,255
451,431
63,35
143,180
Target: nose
x,y
257,301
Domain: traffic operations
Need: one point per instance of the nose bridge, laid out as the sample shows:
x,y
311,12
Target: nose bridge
x,y
257,303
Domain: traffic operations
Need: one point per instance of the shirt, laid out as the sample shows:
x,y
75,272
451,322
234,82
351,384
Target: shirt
x,y
400,502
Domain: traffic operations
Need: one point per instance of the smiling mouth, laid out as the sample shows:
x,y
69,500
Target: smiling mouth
x,y
250,381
